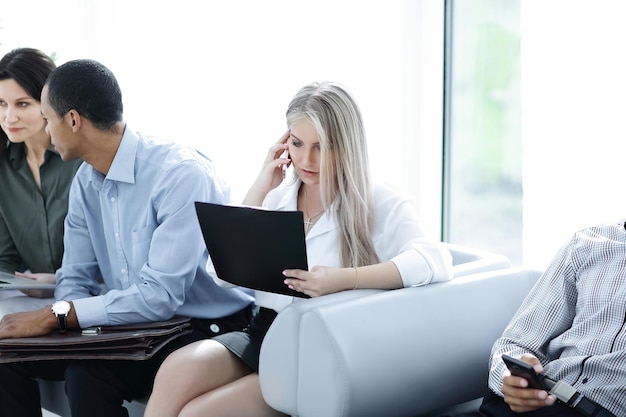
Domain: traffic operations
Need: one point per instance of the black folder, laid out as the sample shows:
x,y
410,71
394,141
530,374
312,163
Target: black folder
x,y
250,247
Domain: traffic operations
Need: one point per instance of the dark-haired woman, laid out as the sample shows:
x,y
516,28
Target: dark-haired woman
x,y
35,181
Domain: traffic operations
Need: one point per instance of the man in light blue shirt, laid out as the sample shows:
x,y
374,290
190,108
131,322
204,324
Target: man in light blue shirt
x,y
145,240
131,222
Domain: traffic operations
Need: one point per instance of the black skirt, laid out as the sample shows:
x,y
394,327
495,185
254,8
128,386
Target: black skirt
x,y
246,344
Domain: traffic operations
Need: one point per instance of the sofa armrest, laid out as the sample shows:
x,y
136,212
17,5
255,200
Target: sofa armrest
x,y
466,260
280,382
393,353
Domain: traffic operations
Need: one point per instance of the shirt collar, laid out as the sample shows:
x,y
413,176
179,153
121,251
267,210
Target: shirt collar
x,y
16,152
123,165
289,201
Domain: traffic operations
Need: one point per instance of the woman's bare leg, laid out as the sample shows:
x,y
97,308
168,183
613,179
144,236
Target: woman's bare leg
x,y
240,398
191,371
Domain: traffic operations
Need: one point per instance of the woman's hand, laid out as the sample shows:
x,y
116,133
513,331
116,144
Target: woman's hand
x,y
272,173
42,277
519,396
320,280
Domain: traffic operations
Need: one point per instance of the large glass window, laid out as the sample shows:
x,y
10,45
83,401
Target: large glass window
x,y
219,75
483,158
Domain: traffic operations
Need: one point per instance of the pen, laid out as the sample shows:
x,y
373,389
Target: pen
x,y
89,331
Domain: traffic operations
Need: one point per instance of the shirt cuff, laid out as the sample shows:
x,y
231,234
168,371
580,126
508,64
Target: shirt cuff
x,y
413,268
90,311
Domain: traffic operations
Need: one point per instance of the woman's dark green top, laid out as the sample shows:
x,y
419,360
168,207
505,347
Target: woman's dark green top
x,y
31,220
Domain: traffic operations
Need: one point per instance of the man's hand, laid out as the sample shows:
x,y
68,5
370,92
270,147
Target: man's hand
x,y
28,324
518,396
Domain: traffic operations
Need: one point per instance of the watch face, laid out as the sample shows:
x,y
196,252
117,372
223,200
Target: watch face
x,y
61,307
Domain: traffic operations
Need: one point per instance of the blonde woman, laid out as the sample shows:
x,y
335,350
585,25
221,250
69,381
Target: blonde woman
x,y
358,235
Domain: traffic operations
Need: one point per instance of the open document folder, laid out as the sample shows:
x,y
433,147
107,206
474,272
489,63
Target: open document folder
x,y
13,282
250,247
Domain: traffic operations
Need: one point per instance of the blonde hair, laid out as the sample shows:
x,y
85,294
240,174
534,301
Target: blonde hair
x,y
344,165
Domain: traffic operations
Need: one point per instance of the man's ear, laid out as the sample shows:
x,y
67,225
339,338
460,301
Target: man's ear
x,y
74,120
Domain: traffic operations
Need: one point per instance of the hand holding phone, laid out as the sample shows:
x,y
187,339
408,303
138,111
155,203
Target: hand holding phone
x,y
285,166
527,371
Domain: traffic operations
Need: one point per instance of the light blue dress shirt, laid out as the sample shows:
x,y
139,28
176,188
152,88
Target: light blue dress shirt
x,y
137,229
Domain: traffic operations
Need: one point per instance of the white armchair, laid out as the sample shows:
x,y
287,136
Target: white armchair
x,y
401,353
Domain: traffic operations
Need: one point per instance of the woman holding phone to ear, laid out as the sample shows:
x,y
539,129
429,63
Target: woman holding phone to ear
x,y
35,181
358,235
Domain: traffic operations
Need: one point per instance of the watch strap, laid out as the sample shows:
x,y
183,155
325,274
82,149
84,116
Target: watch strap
x,y
62,320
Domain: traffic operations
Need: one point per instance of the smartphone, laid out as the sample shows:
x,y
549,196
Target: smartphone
x,y
285,166
526,371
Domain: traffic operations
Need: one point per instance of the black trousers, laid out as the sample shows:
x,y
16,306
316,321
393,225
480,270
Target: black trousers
x,y
98,388
494,406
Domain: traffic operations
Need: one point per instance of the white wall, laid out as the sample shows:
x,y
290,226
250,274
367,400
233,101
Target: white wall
x,y
573,112
219,74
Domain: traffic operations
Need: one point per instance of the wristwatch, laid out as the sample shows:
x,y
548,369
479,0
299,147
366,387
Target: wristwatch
x,y
61,309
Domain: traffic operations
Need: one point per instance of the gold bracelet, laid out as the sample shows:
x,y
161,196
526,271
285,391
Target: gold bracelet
x,y
356,277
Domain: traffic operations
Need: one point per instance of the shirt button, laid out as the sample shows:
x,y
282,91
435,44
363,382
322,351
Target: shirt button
x,y
214,328
112,199
585,380
123,270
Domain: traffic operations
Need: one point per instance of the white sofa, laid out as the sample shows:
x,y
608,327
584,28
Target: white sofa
x,y
403,353
466,261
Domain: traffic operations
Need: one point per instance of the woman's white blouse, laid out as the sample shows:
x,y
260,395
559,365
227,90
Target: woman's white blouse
x,y
398,236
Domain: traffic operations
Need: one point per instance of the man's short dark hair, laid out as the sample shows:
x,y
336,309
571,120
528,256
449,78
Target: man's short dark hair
x,y
89,88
